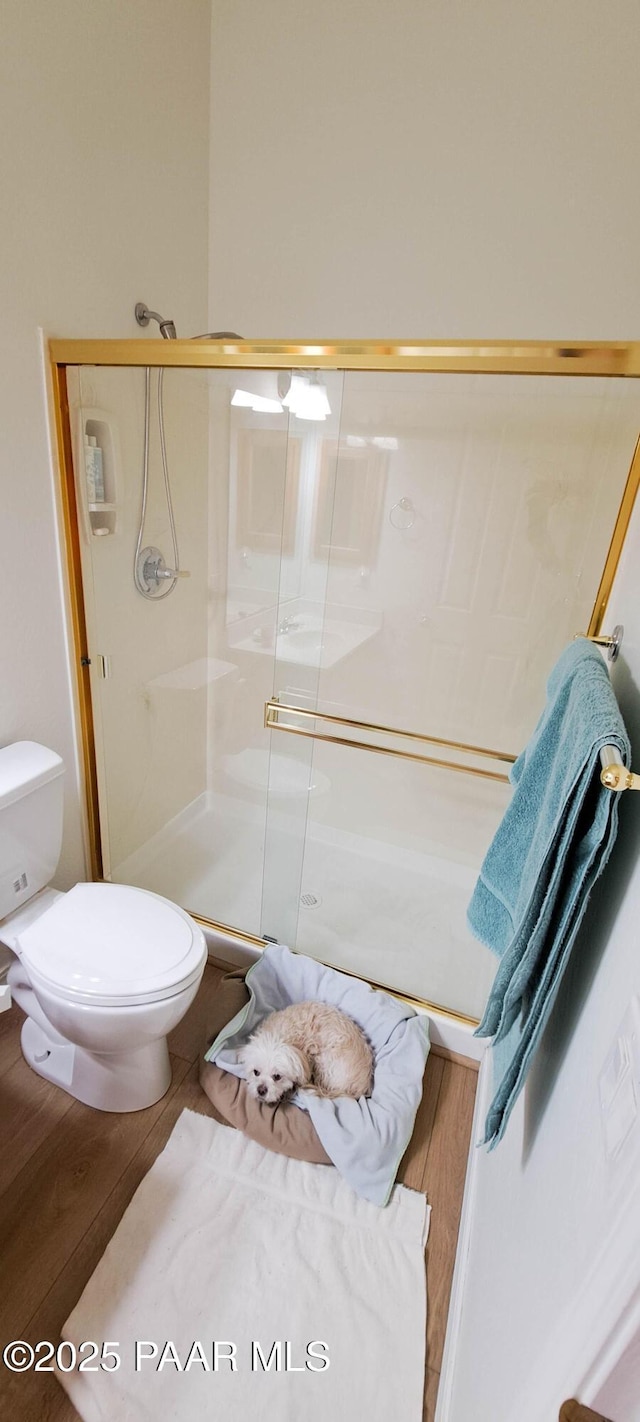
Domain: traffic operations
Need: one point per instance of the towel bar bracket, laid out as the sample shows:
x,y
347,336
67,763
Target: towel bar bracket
x,y
617,777
613,642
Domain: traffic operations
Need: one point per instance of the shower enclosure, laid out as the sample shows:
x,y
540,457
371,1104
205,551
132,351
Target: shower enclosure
x,y
383,550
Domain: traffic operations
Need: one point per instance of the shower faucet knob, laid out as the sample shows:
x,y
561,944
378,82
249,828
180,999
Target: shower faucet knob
x,y
151,571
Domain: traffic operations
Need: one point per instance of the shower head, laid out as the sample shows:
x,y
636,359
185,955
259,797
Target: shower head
x,y
144,316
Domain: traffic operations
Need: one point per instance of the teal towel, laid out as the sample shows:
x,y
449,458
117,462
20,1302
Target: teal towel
x,y
550,848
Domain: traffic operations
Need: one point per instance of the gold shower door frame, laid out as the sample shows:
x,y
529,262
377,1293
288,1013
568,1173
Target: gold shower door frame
x,y
588,358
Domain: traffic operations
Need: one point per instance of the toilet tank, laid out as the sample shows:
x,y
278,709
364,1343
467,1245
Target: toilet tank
x,y
31,799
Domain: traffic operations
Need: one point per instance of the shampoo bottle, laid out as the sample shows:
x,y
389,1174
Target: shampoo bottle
x,y
89,469
94,470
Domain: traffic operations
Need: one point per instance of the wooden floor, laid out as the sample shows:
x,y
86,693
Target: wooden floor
x,y
67,1173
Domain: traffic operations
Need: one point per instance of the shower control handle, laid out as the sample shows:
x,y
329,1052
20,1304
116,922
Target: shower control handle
x,y
154,568
151,572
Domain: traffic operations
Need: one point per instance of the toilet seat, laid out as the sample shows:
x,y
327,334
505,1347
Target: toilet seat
x,y
112,945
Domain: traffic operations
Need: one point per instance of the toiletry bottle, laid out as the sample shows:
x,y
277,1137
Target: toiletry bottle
x,y
98,471
90,467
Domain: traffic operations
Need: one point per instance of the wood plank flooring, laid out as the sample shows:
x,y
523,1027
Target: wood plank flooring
x,y
67,1174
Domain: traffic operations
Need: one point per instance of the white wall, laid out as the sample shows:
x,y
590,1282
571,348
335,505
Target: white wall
x,y
449,169
426,168
547,1204
104,153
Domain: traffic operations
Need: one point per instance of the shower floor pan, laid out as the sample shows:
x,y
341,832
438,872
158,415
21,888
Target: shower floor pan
x,y
394,916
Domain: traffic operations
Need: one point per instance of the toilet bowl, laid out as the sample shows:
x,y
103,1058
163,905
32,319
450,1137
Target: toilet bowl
x,y
104,971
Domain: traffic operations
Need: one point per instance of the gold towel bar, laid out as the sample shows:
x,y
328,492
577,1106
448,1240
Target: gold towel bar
x,y
614,774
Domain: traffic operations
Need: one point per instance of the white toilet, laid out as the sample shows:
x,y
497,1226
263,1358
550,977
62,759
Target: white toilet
x,y
104,971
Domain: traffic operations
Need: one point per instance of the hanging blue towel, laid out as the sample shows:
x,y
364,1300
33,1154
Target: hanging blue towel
x,y
550,848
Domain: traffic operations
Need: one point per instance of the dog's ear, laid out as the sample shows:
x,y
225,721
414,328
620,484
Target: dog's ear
x,y
298,1066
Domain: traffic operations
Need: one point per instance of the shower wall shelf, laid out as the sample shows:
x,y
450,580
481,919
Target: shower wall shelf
x,y
100,517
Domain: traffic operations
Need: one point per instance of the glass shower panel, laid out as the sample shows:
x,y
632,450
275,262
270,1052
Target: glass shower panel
x,y
460,526
179,681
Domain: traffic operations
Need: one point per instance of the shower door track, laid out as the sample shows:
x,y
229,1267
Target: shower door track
x,y
422,1004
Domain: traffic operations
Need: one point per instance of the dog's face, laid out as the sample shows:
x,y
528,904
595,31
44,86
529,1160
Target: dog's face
x,y
273,1069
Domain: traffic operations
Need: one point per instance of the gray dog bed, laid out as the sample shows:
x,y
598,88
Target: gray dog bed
x,y
364,1139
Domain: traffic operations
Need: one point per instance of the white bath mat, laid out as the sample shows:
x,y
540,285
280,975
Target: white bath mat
x,y
305,1301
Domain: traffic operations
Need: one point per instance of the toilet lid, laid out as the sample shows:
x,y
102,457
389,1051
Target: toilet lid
x,y
110,944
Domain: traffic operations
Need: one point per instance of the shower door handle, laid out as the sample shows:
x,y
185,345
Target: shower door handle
x,y
274,710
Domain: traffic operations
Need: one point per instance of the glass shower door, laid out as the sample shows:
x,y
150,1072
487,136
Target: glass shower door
x,y
400,558
456,532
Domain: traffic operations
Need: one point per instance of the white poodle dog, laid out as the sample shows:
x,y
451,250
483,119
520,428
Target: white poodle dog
x,y
309,1045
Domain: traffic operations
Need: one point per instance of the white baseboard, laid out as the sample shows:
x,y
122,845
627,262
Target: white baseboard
x,y
455,1037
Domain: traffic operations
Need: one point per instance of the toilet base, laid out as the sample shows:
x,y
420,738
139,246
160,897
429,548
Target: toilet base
x,y
110,1081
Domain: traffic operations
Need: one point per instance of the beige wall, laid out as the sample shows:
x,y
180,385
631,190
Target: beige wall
x,y
425,168
104,144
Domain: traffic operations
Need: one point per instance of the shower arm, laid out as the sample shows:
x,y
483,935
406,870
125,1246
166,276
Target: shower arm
x,y
144,315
